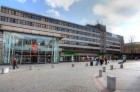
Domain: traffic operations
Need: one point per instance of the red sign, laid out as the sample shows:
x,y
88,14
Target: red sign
x,y
34,47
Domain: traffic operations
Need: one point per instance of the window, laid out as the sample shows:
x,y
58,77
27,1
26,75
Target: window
x,y
42,19
17,13
38,18
17,21
33,17
3,10
27,23
12,12
21,14
6,19
22,22
7,11
43,26
12,20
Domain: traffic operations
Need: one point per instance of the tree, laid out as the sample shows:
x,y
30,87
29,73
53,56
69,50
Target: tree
x,y
131,46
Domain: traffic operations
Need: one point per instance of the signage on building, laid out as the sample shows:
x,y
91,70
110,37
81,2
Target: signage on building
x,y
34,47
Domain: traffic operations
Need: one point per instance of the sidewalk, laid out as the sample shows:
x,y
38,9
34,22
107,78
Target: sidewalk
x,y
127,78
62,78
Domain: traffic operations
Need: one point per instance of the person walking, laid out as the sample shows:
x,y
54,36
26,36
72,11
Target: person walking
x,y
14,63
105,58
97,60
101,60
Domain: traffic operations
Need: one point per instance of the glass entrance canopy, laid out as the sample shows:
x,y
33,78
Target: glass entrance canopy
x,y
29,48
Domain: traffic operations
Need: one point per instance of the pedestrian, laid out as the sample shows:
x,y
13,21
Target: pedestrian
x,y
86,59
14,62
97,60
101,60
105,58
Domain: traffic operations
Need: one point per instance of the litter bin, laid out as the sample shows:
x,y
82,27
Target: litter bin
x,y
91,63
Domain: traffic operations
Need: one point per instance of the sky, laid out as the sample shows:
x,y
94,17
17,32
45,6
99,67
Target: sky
x,y
121,17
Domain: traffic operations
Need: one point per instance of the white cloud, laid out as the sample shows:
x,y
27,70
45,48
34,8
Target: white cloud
x,y
84,21
120,16
54,12
21,1
61,3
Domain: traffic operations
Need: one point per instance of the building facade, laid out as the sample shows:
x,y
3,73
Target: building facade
x,y
33,38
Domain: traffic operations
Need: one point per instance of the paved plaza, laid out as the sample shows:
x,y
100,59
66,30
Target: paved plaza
x,y
65,78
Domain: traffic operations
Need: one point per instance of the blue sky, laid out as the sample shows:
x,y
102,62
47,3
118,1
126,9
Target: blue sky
x,y
120,16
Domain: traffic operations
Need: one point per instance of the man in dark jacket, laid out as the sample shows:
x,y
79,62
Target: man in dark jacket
x,y
14,62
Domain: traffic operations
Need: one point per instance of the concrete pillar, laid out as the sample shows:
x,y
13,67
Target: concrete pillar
x,y
111,82
86,64
52,66
72,65
121,65
5,70
104,69
111,67
100,73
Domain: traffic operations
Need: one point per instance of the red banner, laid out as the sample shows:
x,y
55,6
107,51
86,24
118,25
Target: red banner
x,y
34,47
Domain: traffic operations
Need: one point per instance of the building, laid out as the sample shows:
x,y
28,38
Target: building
x,y
33,38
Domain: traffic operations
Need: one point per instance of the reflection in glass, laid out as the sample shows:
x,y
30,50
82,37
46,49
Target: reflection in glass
x,y
30,48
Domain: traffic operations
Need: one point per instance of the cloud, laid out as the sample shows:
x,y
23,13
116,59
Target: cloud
x,y
120,16
21,1
54,12
61,3
84,21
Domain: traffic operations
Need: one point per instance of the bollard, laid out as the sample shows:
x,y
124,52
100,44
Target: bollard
x,y
91,63
111,67
52,66
72,65
100,73
31,67
121,65
86,64
104,69
111,82
5,70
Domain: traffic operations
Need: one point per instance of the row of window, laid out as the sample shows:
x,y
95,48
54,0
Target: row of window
x,y
80,38
112,43
111,47
112,39
77,49
28,23
22,22
45,19
39,42
79,43
112,35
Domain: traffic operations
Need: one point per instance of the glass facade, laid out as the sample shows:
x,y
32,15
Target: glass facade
x,y
30,48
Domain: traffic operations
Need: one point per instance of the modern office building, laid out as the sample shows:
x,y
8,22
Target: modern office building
x,y
33,38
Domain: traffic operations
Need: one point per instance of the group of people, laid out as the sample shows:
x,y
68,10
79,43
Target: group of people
x,y
101,60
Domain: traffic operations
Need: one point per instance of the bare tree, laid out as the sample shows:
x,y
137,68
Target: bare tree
x,y
131,46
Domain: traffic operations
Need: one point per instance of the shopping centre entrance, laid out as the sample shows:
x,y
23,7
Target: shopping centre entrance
x,y
30,48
